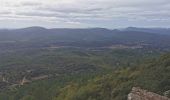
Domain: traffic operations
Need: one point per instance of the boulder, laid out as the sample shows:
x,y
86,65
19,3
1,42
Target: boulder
x,y
140,94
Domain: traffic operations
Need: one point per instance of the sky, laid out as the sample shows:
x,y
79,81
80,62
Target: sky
x,y
84,13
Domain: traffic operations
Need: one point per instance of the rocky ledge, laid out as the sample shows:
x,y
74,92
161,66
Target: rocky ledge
x,y
140,94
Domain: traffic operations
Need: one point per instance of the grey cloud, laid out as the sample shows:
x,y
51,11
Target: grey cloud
x,y
5,12
71,9
39,14
27,3
93,10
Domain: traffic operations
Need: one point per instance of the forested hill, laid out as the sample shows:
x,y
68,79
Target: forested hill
x,y
90,37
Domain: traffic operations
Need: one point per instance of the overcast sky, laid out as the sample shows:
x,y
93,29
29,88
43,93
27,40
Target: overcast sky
x,y
84,13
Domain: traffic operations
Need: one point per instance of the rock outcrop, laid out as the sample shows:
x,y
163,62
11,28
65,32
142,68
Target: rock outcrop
x,y
140,94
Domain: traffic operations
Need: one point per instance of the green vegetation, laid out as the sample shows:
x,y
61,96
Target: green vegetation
x,y
81,64
81,74
153,76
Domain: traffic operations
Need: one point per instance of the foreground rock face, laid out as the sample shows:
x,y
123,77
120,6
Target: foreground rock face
x,y
140,94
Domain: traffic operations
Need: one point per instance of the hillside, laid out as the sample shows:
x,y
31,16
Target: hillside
x,y
153,76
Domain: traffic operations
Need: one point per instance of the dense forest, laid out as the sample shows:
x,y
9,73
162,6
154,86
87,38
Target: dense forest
x,y
109,85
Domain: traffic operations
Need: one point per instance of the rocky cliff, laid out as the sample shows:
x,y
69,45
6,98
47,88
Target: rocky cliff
x,y
140,94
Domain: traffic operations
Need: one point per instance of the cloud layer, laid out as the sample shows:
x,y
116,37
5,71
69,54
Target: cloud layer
x,y
85,13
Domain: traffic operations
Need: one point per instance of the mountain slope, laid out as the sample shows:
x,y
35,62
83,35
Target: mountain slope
x,y
154,77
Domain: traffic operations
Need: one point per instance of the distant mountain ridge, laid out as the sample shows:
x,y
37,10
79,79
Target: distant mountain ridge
x,y
95,37
150,30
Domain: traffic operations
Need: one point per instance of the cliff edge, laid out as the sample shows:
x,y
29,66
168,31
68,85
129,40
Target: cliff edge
x,y
140,94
